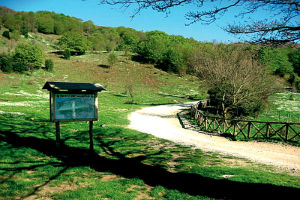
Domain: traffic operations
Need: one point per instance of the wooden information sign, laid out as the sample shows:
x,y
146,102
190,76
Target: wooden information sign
x,y
73,102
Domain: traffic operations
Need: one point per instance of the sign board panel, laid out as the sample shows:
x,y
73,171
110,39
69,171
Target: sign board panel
x,y
74,107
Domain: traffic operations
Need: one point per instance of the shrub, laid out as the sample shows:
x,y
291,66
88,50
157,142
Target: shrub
x,y
6,64
67,54
19,67
112,59
24,31
6,34
49,65
29,55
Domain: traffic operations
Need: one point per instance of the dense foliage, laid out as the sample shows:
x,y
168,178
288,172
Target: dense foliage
x,y
283,62
25,58
75,42
29,55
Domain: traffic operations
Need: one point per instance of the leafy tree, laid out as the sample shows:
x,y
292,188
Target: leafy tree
x,y
294,58
77,43
112,38
88,27
281,24
155,47
278,61
129,39
29,22
174,60
45,23
29,56
98,41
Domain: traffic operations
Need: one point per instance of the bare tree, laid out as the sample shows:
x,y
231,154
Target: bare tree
x,y
236,81
280,26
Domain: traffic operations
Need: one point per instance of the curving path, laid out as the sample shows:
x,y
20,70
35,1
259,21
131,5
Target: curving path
x,y
162,122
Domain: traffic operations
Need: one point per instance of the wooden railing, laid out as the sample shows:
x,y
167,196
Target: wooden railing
x,y
285,131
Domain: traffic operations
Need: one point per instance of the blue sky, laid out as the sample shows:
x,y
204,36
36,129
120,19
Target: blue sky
x,y
114,16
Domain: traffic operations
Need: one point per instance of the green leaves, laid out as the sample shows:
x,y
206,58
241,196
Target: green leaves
x,y
29,55
77,43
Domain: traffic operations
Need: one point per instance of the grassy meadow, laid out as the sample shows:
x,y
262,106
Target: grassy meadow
x,y
282,107
127,164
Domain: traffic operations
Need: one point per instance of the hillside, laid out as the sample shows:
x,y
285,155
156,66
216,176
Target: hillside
x,y
127,164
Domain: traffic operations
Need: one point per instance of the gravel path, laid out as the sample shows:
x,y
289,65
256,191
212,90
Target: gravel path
x,y
162,122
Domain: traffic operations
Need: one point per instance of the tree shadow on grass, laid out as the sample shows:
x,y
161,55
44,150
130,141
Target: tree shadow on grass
x,y
133,167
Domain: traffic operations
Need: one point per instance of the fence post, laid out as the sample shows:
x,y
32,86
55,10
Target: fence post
x,y
268,130
286,131
249,129
234,128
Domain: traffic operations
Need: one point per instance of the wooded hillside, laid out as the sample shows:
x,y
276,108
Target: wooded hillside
x,y
174,54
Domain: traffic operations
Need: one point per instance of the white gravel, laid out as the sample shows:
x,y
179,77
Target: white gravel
x,y
162,122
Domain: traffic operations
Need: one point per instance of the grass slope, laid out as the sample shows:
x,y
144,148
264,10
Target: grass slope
x,y
127,164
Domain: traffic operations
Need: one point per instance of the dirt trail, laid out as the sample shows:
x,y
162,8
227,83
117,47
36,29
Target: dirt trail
x,y
162,122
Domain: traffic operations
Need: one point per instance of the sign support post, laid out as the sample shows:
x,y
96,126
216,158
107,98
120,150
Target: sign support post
x,y
91,137
57,135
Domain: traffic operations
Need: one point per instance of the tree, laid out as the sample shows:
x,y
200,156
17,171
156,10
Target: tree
x,y
28,56
238,85
280,26
77,43
129,39
45,22
155,47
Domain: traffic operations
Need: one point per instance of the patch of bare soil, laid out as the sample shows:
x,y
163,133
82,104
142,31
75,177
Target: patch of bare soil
x,y
110,177
45,191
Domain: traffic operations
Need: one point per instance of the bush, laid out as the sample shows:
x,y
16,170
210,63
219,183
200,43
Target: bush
x,y
49,65
6,34
6,64
112,59
24,31
19,67
29,56
67,54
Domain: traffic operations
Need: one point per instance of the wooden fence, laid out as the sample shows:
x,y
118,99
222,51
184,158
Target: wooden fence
x,y
286,131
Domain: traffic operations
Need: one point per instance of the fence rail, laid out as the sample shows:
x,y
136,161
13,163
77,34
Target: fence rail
x,y
285,131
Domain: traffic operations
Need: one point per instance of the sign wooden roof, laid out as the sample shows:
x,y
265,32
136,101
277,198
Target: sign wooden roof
x,y
73,86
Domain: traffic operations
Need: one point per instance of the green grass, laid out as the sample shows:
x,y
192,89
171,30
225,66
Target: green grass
x,y
282,107
127,164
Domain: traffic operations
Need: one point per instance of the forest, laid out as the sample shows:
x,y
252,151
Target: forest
x,y
171,53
